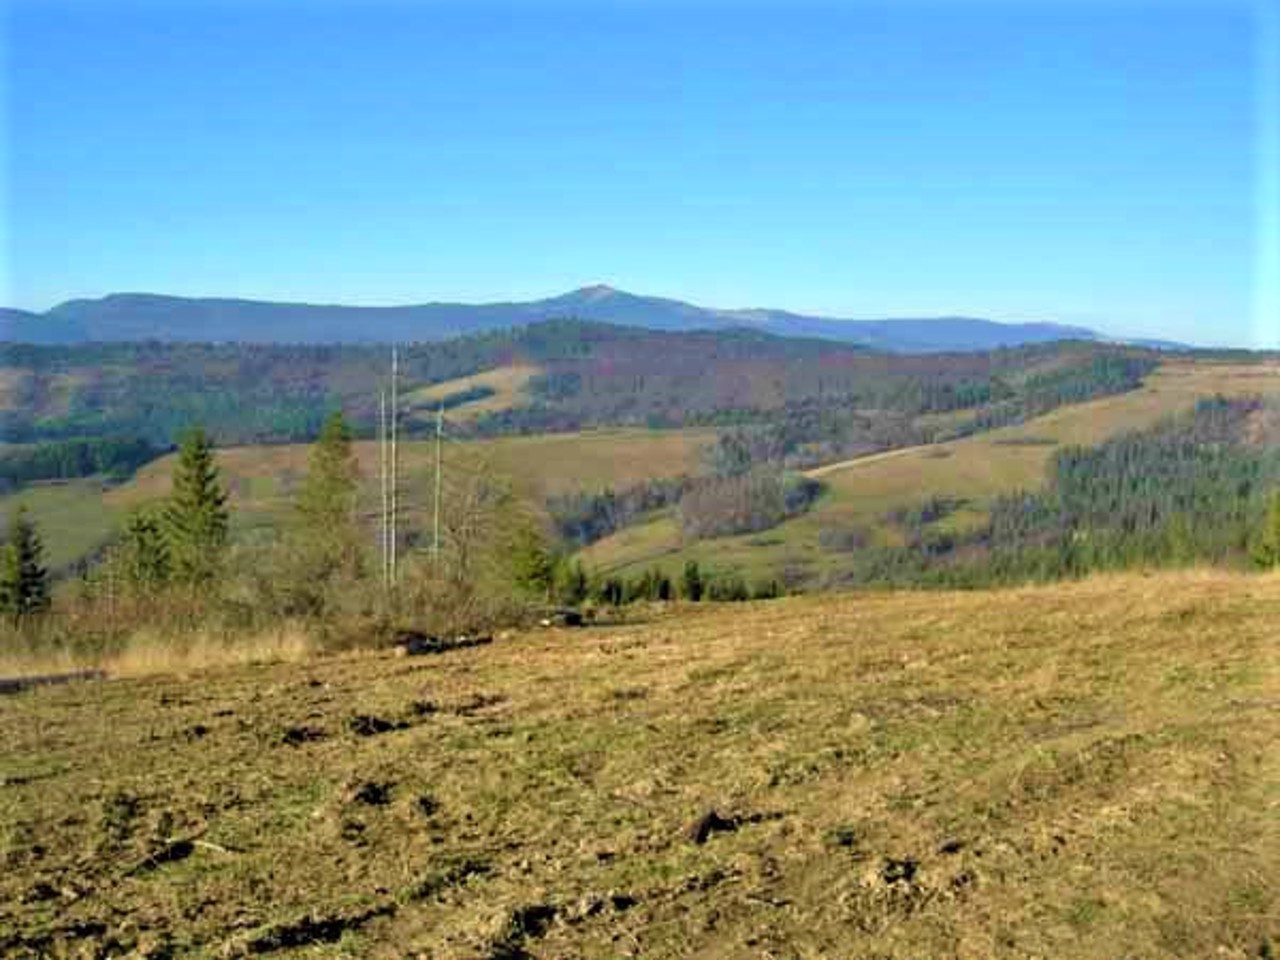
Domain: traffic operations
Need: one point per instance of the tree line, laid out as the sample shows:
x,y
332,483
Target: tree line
x,y
113,458
174,563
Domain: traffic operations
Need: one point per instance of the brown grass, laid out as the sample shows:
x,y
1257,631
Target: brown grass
x,y
260,477
1077,771
507,382
155,651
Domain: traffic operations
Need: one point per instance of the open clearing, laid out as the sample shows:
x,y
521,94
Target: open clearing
x,y
261,477
977,468
1082,770
508,384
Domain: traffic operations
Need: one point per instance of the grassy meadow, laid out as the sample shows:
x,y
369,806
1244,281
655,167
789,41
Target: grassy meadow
x,y
507,383
1076,771
976,469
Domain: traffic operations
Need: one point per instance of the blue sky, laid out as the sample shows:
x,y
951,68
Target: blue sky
x,y
1107,163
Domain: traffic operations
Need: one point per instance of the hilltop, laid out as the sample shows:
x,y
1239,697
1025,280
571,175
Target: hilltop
x,y
148,316
1078,771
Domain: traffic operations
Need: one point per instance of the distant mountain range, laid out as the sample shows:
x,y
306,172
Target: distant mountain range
x,y
145,316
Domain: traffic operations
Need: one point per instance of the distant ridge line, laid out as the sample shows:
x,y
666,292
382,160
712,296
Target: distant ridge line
x,y
148,316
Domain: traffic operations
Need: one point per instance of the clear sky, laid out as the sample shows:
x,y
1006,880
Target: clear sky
x,y
1107,162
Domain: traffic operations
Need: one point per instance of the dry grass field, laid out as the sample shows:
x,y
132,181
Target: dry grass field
x,y
508,384
1077,771
260,477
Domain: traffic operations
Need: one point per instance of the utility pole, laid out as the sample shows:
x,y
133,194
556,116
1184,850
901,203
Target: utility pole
x,y
435,542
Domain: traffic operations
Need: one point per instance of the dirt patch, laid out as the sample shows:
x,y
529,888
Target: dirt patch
x,y
367,725
297,736
899,871
710,823
306,931
454,875
172,852
528,922
475,703
371,793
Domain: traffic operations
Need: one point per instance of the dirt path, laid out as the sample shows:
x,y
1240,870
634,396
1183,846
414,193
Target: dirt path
x,y
818,473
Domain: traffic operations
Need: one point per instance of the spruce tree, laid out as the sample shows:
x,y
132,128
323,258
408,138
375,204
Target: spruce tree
x,y
142,555
573,586
1266,552
691,583
533,565
326,526
24,582
196,518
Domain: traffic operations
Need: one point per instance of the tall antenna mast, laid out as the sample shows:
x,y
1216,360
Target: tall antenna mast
x,y
435,543
395,454
384,528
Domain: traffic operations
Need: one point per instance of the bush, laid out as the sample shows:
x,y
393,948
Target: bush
x,y
729,590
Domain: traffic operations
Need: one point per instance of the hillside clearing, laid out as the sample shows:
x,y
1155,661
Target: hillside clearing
x,y
507,383
975,469
1079,771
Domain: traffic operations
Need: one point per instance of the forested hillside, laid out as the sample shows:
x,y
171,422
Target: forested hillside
x,y
1195,488
590,375
924,513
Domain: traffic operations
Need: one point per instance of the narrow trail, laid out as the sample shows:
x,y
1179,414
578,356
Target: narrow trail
x,y
818,473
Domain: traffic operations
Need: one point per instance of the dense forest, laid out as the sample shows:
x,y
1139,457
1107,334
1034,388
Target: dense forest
x,y
112,458
1196,488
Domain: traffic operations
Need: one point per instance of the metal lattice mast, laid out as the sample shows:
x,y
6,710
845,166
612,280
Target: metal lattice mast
x,y
395,456
435,542
384,528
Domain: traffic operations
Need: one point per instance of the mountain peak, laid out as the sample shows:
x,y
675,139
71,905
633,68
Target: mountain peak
x,y
596,291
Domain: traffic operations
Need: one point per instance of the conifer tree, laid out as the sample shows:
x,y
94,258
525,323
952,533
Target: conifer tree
x,y
196,518
573,586
1266,553
534,566
24,582
326,525
143,552
691,583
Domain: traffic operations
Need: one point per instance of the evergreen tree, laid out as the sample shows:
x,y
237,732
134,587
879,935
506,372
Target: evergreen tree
x,y
1267,551
612,591
573,586
691,583
663,588
143,552
24,583
196,518
534,566
326,523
